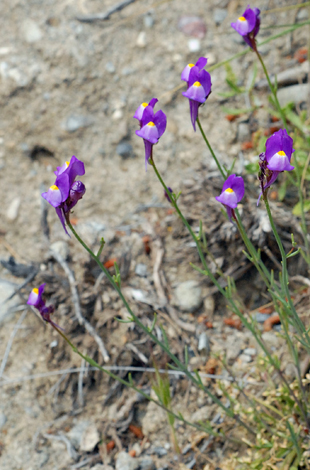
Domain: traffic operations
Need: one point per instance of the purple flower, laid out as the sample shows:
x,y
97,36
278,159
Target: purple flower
x,y
279,149
139,112
232,193
66,192
198,86
200,64
247,25
35,298
166,194
152,128
277,158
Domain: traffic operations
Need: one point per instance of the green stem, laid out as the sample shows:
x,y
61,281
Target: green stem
x,y
93,363
165,348
211,149
285,281
272,88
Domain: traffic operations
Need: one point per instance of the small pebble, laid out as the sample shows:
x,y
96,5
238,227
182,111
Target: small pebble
x,y
125,462
109,66
188,296
141,40
117,115
194,45
159,451
124,149
13,209
147,464
90,439
250,351
261,317
245,358
148,20
203,343
31,31
141,270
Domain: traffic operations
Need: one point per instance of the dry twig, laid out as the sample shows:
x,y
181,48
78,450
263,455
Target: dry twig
x,y
76,302
106,14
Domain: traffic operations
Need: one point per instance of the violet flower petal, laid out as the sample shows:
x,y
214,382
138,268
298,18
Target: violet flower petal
x,y
60,213
149,132
160,121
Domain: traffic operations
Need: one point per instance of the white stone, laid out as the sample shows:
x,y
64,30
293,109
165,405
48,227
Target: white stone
x,y
12,211
188,296
141,40
90,439
125,462
62,248
194,45
31,31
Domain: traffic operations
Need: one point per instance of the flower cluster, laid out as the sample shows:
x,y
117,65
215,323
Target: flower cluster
x,y
277,158
152,126
66,192
36,300
232,193
248,25
199,84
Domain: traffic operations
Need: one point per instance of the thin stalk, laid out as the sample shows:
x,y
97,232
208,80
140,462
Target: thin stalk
x,y
300,326
272,88
165,348
93,363
211,149
234,307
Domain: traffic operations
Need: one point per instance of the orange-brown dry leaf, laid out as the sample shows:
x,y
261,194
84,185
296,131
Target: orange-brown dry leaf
x,y
209,324
266,310
132,453
136,431
247,145
301,55
110,263
268,324
110,446
233,322
231,117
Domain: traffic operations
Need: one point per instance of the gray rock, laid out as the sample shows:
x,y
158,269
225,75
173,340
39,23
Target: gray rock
x,y
302,15
148,20
271,340
141,270
125,462
261,317
209,305
3,419
293,94
7,309
109,66
159,451
75,122
147,464
124,149
219,15
188,296
31,31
